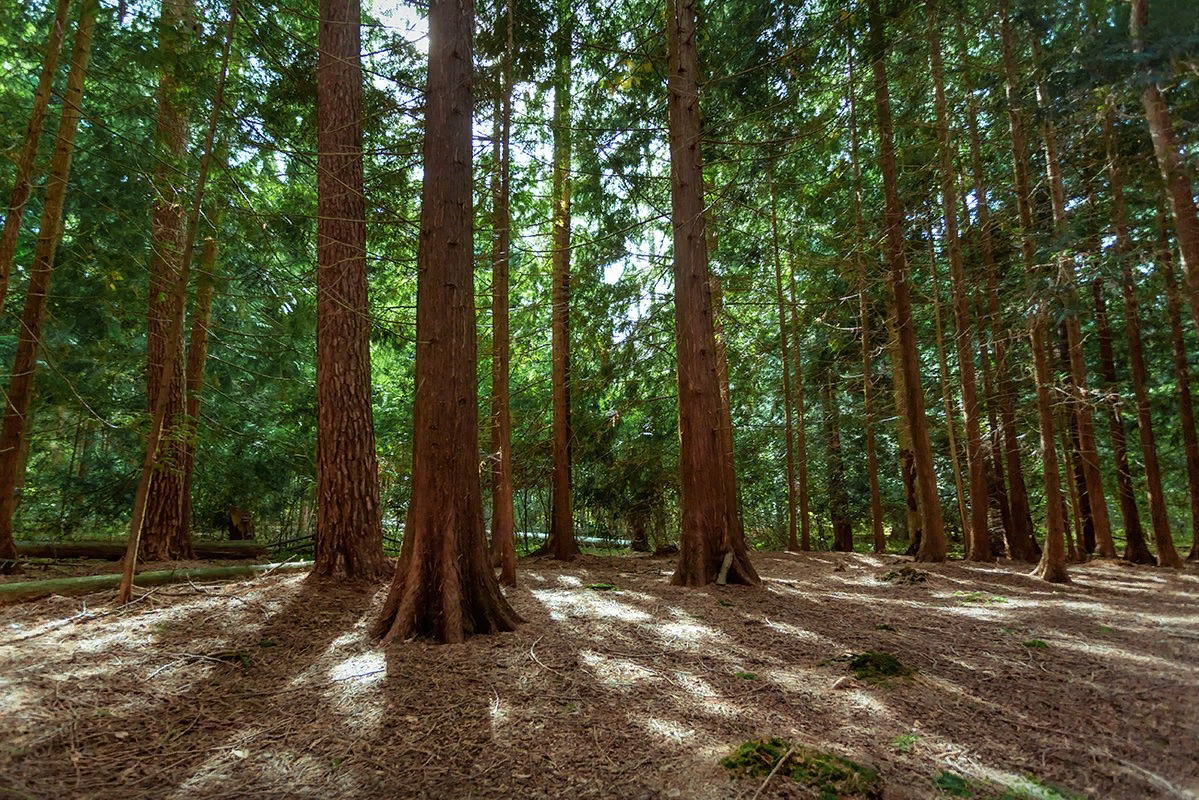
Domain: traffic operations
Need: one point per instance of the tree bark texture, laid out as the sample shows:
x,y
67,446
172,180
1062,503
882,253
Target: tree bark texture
x,y
503,549
785,355
165,535
801,447
33,137
444,585
1052,567
838,501
561,543
947,400
349,532
711,544
933,545
197,356
20,388
978,547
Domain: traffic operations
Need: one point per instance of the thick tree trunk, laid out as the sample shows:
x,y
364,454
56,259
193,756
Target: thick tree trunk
x,y
711,545
978,547
562,542
164,533
1182,378
876,499
503,549
785,355
197,355
932,546
20,389
838,502
801,446
349,532
1053,560
444,585
33,137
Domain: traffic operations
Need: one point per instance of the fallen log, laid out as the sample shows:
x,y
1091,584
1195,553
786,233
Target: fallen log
x,y
114,549
86,584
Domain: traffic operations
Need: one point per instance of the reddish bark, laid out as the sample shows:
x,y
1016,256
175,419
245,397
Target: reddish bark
x,y
197,355
1052,567
801,447
785,355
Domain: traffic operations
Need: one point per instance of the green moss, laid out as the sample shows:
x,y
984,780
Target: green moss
x,y
830,775
1031,787
747,676
952,784
874,666
882,626
1035,643
905,742
906,575
602,587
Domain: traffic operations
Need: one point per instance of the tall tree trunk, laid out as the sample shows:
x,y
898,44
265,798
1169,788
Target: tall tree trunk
x,y
503,549
562,542
1170,162
1018,534
932,546
947,401
838,502
978,546
164,534
1069,281
1182,378
903,438
785,354
801,446
20,388
197,356
712,547
33,137
1076,555
349,532
1135,549
726,405
876,498
1053,560
444,585
1070,404
996,485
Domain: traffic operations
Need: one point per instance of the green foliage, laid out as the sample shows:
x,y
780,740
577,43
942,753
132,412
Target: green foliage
x,y
905,742
952,784
1034,643
830,775
602,587
875,666
747,676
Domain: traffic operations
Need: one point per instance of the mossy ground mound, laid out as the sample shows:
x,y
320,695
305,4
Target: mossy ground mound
x,y
875,667
907,575
830,775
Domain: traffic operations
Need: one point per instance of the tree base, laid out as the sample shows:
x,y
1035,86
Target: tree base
x,y
1051,573
1139,555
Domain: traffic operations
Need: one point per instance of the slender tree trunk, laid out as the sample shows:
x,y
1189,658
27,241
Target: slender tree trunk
x,y
1053,560
503,549
997,485
712,547
801,446
33,137
1182,378
444,585
838,502
932,546
903,438
785,354
947,400
1135,549
349,532
876,498
13,441
726,405
197,355
561,541
164,535
978,546
1170,162
1076,555
1070,404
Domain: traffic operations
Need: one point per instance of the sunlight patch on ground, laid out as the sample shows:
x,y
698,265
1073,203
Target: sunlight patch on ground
x,y
564,604
499,711
619,673
570,581
667,730
803,681
803,634
688,634
1107,651
707,699
363,669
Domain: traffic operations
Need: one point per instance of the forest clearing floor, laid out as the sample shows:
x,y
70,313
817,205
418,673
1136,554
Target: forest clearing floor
x,y
618,686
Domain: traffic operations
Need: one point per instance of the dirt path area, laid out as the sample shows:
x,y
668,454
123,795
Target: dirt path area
x,y
271,688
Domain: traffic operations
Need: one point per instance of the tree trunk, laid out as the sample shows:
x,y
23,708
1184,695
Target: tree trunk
x,y
197,355
903,438
785,355
932,546
561,541
349,529
801,447
164,533
876,500
1070,404
1135,549
948,401
444,585
997,488
838,502
503,550
1076,555
20,389
1181,378
1170,162
711,545
978,546
1053,560
33,137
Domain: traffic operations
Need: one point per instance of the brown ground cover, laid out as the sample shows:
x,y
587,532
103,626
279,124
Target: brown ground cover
x,y
271,687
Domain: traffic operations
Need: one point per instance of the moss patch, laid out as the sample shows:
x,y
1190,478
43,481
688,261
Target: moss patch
x,y
906,575
875,667
830,775
954,785
1037,643
602,587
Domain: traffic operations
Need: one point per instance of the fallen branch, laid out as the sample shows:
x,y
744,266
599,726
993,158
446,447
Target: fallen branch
x,y
31,590
113,549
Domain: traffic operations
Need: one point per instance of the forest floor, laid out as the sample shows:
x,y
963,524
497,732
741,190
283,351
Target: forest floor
x,y
272,688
